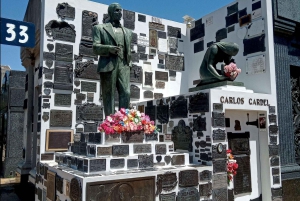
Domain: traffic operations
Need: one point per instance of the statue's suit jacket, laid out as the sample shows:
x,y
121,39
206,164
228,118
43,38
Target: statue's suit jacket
x,y
103,38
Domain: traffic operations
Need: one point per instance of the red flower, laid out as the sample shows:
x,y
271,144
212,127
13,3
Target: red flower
x,y
228,151
235,166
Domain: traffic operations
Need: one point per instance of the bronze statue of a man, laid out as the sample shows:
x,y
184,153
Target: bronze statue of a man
x,y
112,42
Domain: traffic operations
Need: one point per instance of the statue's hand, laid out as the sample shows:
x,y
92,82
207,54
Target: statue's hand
x,y
114,50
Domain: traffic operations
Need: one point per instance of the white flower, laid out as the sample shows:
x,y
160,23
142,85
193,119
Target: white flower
x,y
138,113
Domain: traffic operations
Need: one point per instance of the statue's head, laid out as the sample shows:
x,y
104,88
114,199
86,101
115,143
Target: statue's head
x,y
115,12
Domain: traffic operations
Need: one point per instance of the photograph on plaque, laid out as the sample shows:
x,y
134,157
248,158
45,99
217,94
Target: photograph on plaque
x,y
51,190
60,118
127,189
57,140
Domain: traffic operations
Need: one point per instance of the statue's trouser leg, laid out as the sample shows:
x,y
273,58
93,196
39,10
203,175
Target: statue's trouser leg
x,y
123,81
108,87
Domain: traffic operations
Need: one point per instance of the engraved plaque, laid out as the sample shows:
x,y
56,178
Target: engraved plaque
x,y
190,193
61,31
163,114
178,160
178,108
104,151
157,26
142,148
272,118
174,32
148,94
48,85
75,189
120,150
219,166
273,140
219,151
151,112
199,103
198,31
51,185
86,70
89,19
59,184
219,181
97,165
273,129
239,143
62,99
90,127
205,175
242,180
199,124
117,163
274,161
80,96
132,137
219,134
175,63
132,163
136,74
134,92
160,149
271,109
151,137
133,39
273,150
129,24
163,76
158,95
220,194
188,178
173,43
89,86
141,18
63,52
141,49
148,79
167,197
47,157
221,34
89,112
182,136
145,161
61,118
205,190
143,56
166,182
63,73
64,10
160,85
127,189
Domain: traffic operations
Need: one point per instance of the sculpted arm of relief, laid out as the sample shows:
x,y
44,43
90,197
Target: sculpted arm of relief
x,y
98,47
211,61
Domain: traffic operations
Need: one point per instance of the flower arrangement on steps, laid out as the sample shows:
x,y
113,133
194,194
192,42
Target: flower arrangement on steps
x,y
131,124
232,166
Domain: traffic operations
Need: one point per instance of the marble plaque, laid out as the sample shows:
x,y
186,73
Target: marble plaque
x,y
160,149
219,151
134,92
61,31
167,197
174,63
62,99
242,181
60,118
182,136
188,178
117,163
166,182
87,70
89,86
157,26
219,166
174,32
132,163
97,165
199,103
89,112
142,148
104,151
145,161
127,189
89,19
219,134
205,175
162,45
219,181
163,76
190,193
63,52
178,108
178,160
143,41
120,150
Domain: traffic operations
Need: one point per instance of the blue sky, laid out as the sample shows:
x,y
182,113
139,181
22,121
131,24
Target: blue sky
x,y
166,9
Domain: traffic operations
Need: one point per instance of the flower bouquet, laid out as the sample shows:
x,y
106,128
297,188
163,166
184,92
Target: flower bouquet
x,y
232,71
232,166
128,121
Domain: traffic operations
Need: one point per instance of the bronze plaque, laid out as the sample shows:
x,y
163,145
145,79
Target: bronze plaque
x,y
205,175
239,143
167,197
104,151
89,86
57,140
60,118
199,103
190,193
153,25
51,185
89,112
75,189
47,157
178,107
166,182
160,85
86,50
188,178
63,72
62,99
163,76
158,95
148,78
61,31
219,134
182,136
142,148
148,94
116,190
178,160
242,180
219,181
86,70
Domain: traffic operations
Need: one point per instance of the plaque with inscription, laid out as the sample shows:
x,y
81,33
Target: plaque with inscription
x,y
61,118
220,194
117,163
178,108
80,96
163,76
61,31
97,165
175,63
48,84
188,178
151,137
63,52
219,166
129,24
89,86
104,151
219,134
49,56
160,85
205,190
145,161
120,150
273,118
148,80
148,94
86,50
64,10
132,137
167,197
166,182
161,34
136,74
158,95
142,148
205,175
219,151
273,129
174,32
218,107
221,34
219,181
134,92
58,140
134,39
151,112
47,157
129,15
89,112
126,189
274,161
273,150
141,49
90,127
157,26
271,109
178,160
141,18
199,124
89,19
199,103
86,70
239,143
160,149
51,191
163,114
59,184
132,163
242,181
182,136
190,193
62,99
75,189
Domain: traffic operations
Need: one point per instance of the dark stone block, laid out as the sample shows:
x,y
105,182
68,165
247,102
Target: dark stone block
x,y
199,46
256,5
242,12
232,9
231,19
198,31
221,34
259,46
230,29
141,18
290,190
16,97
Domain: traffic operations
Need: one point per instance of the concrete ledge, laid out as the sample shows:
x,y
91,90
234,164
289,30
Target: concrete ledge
x,y
216,84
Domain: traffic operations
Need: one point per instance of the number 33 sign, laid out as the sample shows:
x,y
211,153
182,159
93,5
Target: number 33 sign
x,y
17,33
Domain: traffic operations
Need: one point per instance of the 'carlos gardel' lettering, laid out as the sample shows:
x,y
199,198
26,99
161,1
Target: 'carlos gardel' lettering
x,y
238,100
